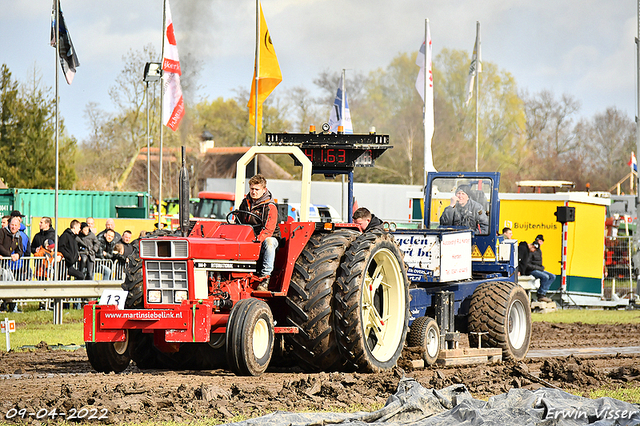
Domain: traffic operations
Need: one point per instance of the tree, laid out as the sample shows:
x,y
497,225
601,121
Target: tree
x,y
392,105
606,142
304,108
27,136
501,117
550,131
123,133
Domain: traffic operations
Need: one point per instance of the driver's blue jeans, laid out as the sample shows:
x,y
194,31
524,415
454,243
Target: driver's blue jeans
x,y
268,255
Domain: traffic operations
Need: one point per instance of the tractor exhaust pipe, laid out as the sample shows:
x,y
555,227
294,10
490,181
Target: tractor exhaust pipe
x,y
183,193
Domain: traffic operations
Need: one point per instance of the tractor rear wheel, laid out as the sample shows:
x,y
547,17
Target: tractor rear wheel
x,y
133,280
310,301
133,272
372,303
501,310
250,337
425,333
106,357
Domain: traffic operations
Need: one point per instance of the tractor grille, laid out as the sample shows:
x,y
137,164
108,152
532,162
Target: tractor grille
x,y
165,278
164,248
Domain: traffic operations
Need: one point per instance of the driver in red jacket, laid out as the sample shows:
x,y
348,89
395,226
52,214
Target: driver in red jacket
x,y
264,221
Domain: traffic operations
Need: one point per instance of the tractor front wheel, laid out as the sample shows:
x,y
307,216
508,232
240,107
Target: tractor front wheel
x,y
106,357
250,337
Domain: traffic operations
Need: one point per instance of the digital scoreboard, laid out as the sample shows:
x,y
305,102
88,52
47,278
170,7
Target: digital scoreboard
x,y
333,153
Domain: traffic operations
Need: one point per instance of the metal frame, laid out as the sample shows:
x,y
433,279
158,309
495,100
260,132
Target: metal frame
x,y
294,151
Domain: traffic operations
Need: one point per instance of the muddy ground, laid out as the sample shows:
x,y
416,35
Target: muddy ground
x,y
42,379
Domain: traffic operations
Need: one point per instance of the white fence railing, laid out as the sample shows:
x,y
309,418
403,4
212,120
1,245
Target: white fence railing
x,y
42,269
33,278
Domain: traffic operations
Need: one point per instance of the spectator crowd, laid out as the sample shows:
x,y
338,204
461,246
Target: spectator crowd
x,y
82,251
79,247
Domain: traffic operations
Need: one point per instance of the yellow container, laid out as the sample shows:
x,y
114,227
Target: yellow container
x,y
531,214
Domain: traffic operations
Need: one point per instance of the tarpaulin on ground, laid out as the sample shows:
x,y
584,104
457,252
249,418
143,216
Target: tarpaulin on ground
x,y
415,405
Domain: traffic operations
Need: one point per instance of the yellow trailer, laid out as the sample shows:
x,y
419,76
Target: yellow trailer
x,y
531,214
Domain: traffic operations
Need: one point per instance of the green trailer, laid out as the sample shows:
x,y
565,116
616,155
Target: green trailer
x,y
97,204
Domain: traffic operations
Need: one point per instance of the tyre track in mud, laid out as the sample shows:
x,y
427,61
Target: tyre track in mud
x,y
45,378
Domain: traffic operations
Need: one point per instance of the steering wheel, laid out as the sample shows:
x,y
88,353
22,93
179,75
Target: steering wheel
x,y
236,212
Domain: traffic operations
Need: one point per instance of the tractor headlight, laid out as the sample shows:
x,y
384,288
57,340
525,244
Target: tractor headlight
x,y
154,296
179,296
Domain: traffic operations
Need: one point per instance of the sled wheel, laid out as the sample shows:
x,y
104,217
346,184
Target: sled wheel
x,y
106,357
372,303
425,333
250,337
310,301
501,309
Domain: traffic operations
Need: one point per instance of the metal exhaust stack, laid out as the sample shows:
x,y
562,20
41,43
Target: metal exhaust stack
x,y
183,193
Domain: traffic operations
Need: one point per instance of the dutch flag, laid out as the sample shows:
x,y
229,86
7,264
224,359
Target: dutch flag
x,y
633,163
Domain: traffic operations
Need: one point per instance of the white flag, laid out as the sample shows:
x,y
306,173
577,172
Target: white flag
x,y
476,65
420,60
172,102
335,118
429,118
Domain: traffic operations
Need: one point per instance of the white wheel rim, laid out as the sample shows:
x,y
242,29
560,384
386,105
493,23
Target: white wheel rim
x,y
517,324
121,347
260,338
383,316
433,342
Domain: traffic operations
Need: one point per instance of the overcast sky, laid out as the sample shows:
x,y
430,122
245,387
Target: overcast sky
x,y
581,47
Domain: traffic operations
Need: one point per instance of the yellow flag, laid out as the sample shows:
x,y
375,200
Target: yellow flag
x,y
269,77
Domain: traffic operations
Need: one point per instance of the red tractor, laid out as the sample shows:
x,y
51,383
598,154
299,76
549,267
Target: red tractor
x,y
337,299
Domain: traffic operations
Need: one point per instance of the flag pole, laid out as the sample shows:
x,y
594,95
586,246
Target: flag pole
x,y
344,98
477,71
257,81
637,177
424,107
57,318
162,80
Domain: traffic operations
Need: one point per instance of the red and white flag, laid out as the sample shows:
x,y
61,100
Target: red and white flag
x,y
633,163
172,102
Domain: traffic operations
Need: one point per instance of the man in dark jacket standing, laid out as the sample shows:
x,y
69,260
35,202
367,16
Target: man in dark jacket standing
x,y
10,248
88,246
126,242
366,220
537,270
110,224
264,221
68,246
46,233
10,240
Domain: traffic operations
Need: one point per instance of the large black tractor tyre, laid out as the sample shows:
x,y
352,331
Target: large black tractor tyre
x,y
310,300
250,337
425,333
133,272
372,303
106,357
501,310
